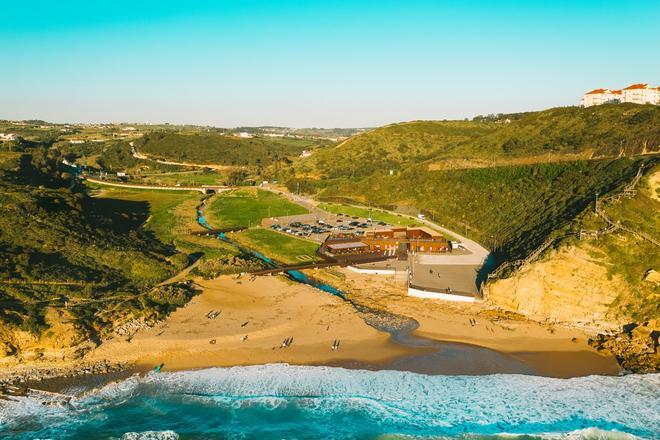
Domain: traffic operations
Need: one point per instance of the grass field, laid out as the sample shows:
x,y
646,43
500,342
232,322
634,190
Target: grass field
x,y
171,213
246,207
374,213
172,219
280,247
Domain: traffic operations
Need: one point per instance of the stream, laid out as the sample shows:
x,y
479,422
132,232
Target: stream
x,y
435,357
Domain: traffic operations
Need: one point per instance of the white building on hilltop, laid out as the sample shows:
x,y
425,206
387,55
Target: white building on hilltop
x,y
636,94
641,94
601,96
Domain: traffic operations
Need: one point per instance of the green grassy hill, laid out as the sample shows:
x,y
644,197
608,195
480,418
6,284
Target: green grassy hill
x,y
60,248
628,255
567,133
508,182
609,277
218,149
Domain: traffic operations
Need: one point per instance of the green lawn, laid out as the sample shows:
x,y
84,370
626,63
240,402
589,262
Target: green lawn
x,y
246,207
280,247
166,219
172,218
374,213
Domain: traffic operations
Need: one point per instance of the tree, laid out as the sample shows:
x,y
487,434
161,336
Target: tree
x,y
237,177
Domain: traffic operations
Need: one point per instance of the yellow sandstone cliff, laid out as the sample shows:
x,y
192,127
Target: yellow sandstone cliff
x,y
567,285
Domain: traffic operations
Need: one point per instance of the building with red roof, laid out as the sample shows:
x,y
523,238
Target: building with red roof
x,y
640,94
600,96
635,93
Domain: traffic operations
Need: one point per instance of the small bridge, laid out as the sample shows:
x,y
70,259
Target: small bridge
x,y
345,260
275,270
204,189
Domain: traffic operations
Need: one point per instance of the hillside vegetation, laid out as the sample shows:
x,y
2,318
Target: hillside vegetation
x,y
61,250
607,280
173,221
509,185
223,150
567,133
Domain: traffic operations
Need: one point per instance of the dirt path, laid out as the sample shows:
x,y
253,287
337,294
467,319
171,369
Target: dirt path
x,y
183,164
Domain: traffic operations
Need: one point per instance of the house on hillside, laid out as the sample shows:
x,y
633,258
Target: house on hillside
x,y
641,94
601,96
635,93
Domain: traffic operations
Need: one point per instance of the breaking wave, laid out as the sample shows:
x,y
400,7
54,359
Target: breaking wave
x,y
283,401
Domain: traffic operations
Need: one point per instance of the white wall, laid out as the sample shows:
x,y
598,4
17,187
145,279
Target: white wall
x,y
441,296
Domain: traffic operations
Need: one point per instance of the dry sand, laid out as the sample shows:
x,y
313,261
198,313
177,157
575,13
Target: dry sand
x,y
275,309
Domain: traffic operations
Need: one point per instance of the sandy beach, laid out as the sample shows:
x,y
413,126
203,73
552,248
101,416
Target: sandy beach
x,y
552,350
257,316
267,311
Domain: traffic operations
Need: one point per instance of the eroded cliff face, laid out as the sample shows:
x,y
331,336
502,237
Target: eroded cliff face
x,y
568,285
599,283
63,340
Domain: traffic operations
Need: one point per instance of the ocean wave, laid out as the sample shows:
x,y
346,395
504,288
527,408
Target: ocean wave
x,y
283,401
150,435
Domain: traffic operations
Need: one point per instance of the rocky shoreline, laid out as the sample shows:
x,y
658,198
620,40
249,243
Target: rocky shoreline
x,y
35,374
635,347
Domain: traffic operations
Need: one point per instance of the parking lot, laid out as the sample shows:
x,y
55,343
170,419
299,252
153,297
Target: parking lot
x,y
318,225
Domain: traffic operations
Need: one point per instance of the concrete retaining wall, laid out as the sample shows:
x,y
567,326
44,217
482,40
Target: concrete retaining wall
x,y
373,271
435,295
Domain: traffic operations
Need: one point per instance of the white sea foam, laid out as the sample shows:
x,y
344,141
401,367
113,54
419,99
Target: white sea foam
x,y
150,435
594,407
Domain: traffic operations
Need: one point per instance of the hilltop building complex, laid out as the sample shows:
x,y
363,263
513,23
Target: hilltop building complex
x,y
635,93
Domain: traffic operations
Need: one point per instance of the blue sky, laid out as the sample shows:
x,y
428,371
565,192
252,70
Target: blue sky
x,y
315,63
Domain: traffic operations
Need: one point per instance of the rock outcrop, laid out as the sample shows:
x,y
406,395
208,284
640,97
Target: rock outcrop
x,y
64,339
566,286
635,347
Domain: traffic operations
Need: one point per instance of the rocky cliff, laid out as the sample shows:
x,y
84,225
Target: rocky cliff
x,y
568,285
605,282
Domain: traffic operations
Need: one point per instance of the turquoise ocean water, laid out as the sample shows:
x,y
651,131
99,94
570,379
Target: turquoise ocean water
x,y
300,402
